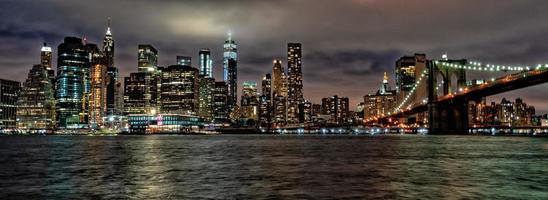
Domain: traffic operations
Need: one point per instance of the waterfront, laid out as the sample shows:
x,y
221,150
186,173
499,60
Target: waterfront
x,y
274,166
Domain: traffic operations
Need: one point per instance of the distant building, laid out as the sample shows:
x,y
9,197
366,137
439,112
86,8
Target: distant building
x,y
184,60
249,101
381,103
9,92
305,112
140,94
179,91
98,95
147,58
294,80
206,63
72,86
206,98
279,109
506,113
45,60
337,108
36,103
265,101
220,101
230,70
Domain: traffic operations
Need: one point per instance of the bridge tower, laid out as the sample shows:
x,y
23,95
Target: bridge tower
x,y
450,117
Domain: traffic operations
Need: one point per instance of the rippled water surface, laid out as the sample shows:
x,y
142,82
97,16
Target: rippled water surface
x,y
273,167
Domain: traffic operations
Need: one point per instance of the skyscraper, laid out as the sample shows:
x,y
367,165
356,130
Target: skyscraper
x,y
72,64
184,60
147,58
265,101
232,84
230,71
9,92
98,95
206,63
45,60
294,72
206,108
179,91
250,101
220,99
36,103
279,82
113,85
294,80
230,52
337,108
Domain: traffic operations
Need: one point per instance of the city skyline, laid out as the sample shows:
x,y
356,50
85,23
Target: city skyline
x,y
337,66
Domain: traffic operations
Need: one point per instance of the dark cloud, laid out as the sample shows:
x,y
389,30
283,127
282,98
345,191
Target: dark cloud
x,y
347,44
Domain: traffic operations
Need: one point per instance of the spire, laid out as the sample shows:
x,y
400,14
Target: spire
x,y
229,35
108,27
385,78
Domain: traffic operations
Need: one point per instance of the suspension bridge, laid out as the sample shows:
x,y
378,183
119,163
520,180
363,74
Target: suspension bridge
x,y
441,93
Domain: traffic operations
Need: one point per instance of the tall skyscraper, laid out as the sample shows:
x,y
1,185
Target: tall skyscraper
x,y
337,108
9,92
232,84
147,58
230,70
206,63
113,85
294,80
73,62
265,101
294,72
98,95
36,103
45,60
184,60
279,82
230,52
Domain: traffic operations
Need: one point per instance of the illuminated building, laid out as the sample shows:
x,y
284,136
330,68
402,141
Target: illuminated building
x,y
232,83
113,85
184,60
381,103
265,101
279,108
337,108
9,92
230,70
508,113
73,62
36,103
279,82
305,112
220,100
206,63
147,58
179,90
206,108
98,95
136,99
163,123
294,80
45,60
408,69
250,101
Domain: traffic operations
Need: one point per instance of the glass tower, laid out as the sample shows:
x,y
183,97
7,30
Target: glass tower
x,y
72,63
206,63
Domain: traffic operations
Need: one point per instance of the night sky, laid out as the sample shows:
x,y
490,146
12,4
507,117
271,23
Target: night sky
x,y
347,44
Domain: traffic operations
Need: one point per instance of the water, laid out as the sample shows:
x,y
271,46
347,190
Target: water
x,y
273,167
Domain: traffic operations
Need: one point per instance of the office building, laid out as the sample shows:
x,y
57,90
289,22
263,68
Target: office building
x,y
184,60
147,58
206,63
36,103
336,108
220,101
206,98
179,90
73,62
249,104
381,103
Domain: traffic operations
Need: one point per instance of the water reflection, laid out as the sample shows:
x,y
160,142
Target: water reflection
x,y
273,167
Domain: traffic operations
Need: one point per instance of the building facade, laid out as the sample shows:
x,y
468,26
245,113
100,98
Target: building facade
x,y
179,90
36,103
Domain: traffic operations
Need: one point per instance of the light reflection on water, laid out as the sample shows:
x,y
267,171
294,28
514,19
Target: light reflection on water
x,y
251,167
